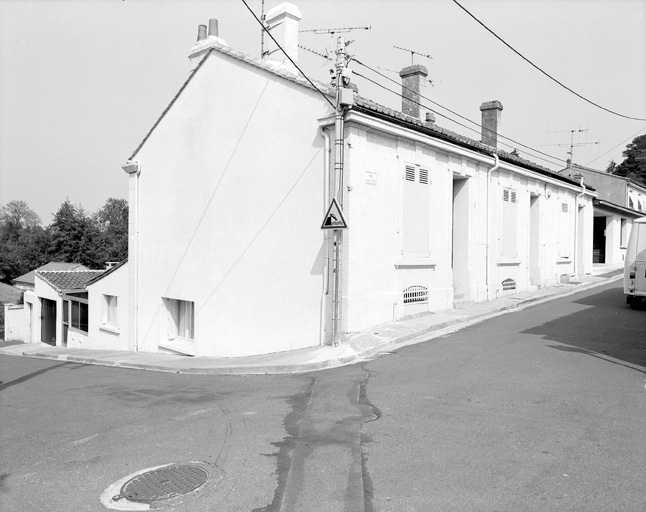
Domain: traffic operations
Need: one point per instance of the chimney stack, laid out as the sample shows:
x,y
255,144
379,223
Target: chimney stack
x,y
205,42
282,24
490,122
413,88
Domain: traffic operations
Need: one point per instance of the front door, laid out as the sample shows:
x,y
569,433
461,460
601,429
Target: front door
x,y
48,322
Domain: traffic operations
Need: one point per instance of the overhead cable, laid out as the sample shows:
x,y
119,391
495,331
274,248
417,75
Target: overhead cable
x,y
622,142
544,72
285,53
454,113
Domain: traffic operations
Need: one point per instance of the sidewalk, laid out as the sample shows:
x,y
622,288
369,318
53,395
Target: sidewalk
x,y
359,347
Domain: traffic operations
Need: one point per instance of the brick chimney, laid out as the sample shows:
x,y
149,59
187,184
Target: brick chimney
x,y
205,41
282,24
413,88
490,122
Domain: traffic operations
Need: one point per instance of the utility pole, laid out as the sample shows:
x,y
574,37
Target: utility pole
x,y
344,98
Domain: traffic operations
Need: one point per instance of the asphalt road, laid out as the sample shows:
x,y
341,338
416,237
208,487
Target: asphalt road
x,y
537,410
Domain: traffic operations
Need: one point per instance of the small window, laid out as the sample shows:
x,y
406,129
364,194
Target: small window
x,y
110,310
180,319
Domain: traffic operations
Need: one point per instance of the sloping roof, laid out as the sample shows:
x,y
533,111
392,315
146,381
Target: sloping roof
x,y
602,203
64,280
106,273
9,294
368,106
29,277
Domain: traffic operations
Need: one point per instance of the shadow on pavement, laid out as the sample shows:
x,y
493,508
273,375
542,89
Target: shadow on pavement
x,y
606,328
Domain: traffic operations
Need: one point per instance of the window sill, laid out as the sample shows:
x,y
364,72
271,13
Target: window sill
x,y
110,328
415,262
180,345
565,259
79,331
508,261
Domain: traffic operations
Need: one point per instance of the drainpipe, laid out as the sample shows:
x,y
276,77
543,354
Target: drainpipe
x,y
326,201
576,226
133,168
494,168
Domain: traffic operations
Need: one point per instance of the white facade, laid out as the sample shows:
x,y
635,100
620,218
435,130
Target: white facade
x,y
228,205
481,246
228,193
108,311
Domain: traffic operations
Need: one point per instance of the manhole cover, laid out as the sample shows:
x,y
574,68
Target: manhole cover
x,y
163,483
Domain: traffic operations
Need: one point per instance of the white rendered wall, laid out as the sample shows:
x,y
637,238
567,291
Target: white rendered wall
x,y
103,336
230,209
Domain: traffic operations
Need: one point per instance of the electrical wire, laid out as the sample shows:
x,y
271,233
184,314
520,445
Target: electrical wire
x,y
558,160
622,142
285,53
544,72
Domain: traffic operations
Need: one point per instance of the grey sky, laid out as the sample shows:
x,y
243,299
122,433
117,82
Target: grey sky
x,y
83,81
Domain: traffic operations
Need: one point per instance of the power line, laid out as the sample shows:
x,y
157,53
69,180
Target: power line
x,y
623,141
456,114
285,53
544,72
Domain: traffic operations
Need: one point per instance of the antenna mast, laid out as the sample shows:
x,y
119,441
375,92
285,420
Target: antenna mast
x,y
413,53
572,144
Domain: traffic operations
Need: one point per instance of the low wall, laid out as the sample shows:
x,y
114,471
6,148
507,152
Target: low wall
x,y
15,323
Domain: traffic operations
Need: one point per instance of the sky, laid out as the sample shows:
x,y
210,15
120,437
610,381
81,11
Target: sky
x,y
82,81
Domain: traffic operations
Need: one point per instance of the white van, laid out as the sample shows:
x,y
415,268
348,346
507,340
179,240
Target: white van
x,y
635,264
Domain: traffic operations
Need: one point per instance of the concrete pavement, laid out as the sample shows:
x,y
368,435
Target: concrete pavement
x,y
359,347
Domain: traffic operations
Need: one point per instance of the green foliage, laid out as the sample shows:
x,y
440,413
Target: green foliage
x,y
634,164
74,236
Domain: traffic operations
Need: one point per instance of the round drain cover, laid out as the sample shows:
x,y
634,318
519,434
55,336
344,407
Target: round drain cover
x,y
163,483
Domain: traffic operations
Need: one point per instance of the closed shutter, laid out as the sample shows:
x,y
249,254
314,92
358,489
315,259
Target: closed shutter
x,y
416,235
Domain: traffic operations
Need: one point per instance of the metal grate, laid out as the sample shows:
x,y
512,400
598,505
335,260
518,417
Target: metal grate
x,y
163,483
415,294
508,284
423,176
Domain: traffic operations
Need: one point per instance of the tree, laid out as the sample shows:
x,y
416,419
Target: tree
x,y
112,222
634,164
74,236
23,240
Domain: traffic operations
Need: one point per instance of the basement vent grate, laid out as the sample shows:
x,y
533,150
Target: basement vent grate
x,y
163,483
508,284
415,294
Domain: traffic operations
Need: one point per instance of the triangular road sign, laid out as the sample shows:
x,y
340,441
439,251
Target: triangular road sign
x,y
334,217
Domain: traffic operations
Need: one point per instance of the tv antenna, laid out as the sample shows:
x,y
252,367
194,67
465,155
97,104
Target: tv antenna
x,y
335,30
413,53
573,144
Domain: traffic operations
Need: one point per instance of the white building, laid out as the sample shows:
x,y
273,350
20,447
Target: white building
x,y
229,189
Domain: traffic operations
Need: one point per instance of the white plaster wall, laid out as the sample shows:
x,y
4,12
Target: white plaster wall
x,y
15,322
230,209
100,335
375,272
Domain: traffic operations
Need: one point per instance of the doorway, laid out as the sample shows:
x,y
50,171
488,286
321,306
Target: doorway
x,y
48,322
599,240
460,242
534,241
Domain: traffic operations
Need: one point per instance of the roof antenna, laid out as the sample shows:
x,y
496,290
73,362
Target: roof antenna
x,y
412,53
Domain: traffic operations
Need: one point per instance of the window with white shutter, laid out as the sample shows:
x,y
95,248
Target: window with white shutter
x,y
565,231
416,228
508,235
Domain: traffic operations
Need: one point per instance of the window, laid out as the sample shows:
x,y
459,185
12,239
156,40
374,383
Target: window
x,y
416,228
109,310
565,226
180,319
79,315
508,245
